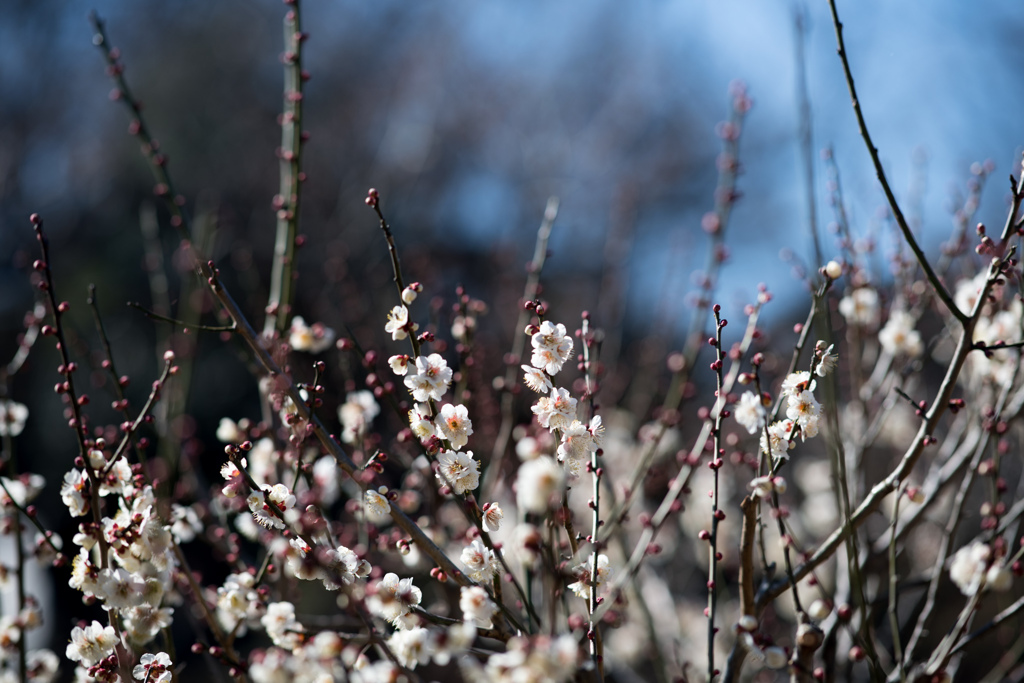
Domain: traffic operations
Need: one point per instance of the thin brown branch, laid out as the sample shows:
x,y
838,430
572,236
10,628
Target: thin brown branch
x,y
901,221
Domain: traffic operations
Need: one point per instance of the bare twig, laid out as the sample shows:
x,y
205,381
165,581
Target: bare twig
x,y
806,131
282,275
901,221
534,270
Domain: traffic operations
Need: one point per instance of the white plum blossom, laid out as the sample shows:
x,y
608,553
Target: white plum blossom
x,y
120,589
330,566
410,292
827,360
281,497
246,526
491,518
556,411
1001,326
345,565
457,639
779,433
118,479
576,445
381,671
229,432
796,382
536,482
238,602
412,646
91,644
398,323
551,660
477,606
479,560
97,459
762,487
12,418
153,668
749,412
22,490
84,574
186,523
579,441
289,412
378,508
262,462
326,645
899,337
597,430
973,569
860,307
394,598
356,414
399,364
276,666
458,470
431,379
420,423
999,578
537,380
310,338
833,270
74,492
233,476
453,423
967,292
803,409
582,571
10,633
325,475
969,565
551,347
282,627
257,502
528,448
42,665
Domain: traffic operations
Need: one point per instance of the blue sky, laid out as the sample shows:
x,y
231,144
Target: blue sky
x,y
935,76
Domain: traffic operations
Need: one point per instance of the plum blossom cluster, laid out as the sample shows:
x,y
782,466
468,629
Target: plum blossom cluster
x,y
327,655
555,410
862,308
15,495
127,561
999,325
975,567
428,378
802,409
530,659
